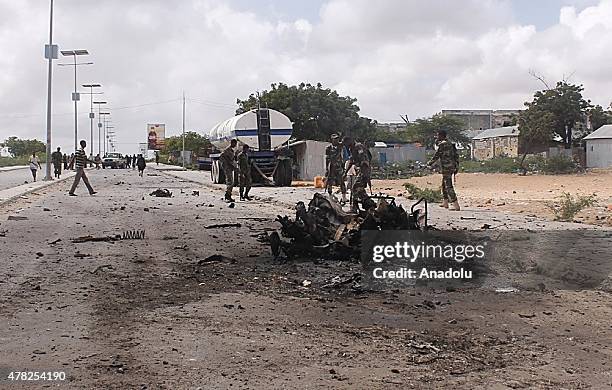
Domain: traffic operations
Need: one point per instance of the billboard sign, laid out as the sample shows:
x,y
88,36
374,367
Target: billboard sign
x,y
156,135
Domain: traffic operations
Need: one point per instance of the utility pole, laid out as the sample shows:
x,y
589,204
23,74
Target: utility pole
x,y
50,54
91,114
183,129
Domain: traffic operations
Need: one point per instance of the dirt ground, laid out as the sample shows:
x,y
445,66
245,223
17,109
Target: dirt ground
x,y
527,195
159,313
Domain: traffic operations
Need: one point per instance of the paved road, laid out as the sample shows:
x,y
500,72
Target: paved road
x,y
17,177
194,305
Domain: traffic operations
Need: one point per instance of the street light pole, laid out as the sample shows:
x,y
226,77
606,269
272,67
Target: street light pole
x,y
100,125
183,158
51,54
75,95
91,114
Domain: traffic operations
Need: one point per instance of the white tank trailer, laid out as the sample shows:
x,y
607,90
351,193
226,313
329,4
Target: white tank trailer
x,y
265,131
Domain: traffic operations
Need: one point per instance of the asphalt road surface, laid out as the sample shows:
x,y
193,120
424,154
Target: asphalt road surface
x,y
17,177
196,304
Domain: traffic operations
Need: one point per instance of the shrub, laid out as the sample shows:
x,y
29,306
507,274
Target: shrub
x,y
432,196
569,206
559,164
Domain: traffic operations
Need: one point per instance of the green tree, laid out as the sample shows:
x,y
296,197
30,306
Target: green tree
x,y
23,147
536,128
316,112
566,105
424,130
599,117
193,142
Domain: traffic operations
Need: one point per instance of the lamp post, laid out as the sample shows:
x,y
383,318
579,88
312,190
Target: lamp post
x,y
100,123
91,114
75,95
106,121
50,54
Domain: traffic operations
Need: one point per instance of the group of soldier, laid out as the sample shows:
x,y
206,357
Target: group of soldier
x,y
235,164
357,167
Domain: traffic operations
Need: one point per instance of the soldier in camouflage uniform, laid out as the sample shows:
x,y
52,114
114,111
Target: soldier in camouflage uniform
x,y
449,165
334,167
228,164
244,167
360,159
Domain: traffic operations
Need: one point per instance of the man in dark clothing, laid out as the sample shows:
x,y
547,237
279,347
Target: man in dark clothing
x,y
244,166
228,164
157,158
56,157
65,161
128,161
141,163
80,160
134,160
449,165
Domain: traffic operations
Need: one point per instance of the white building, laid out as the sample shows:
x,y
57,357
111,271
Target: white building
x,y
599,148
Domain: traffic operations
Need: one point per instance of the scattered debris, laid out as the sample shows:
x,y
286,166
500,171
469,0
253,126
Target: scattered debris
x,y
16,218
46,209
223,225
530,315
337,281
306,283
196,193
165,193
82,239
133,235
216,259
81,255
101,267
506,290
55,241
232,205
324,229
468,218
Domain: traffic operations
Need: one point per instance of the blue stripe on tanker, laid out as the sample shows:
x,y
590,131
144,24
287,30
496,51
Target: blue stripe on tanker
x,y
253,133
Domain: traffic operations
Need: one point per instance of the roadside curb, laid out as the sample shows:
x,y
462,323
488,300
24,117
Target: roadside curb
x,y
13,168
29,190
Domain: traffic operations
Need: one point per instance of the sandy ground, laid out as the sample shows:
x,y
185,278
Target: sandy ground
x,y
156,314
527,195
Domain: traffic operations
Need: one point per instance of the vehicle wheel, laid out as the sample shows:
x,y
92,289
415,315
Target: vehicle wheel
x,y
283,175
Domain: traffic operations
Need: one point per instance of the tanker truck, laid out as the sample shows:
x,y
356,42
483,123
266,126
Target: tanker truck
x,y
265,131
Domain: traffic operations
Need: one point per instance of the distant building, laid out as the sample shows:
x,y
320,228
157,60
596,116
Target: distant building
x,y
308,159
391,127
482,119
384,153
496,142
599,148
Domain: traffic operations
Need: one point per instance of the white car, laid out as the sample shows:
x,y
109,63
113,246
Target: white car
x,y
113,160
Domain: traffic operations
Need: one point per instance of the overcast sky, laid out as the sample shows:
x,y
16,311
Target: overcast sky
x,y
395,56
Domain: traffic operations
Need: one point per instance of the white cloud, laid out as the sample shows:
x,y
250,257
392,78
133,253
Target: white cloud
x,y
395,56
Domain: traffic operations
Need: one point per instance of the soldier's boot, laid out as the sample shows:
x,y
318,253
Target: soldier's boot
x,y
444,203
228,197
241,194
455,206
246,194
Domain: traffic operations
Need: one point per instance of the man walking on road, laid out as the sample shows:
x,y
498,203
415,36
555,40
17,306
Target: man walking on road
x,y
56,157
81,160
34,165
141,163
449,165
244,165
157,158
228,164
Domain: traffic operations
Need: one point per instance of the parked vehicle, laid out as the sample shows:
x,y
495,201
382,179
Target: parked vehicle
x,y
113,161
265,131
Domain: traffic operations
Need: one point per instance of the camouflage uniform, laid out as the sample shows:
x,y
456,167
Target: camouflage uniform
x,y
228,164
334,166
244,165
56,157
449,164
360,158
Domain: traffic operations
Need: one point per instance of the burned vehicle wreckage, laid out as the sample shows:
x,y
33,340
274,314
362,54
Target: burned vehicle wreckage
x,y
324,230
